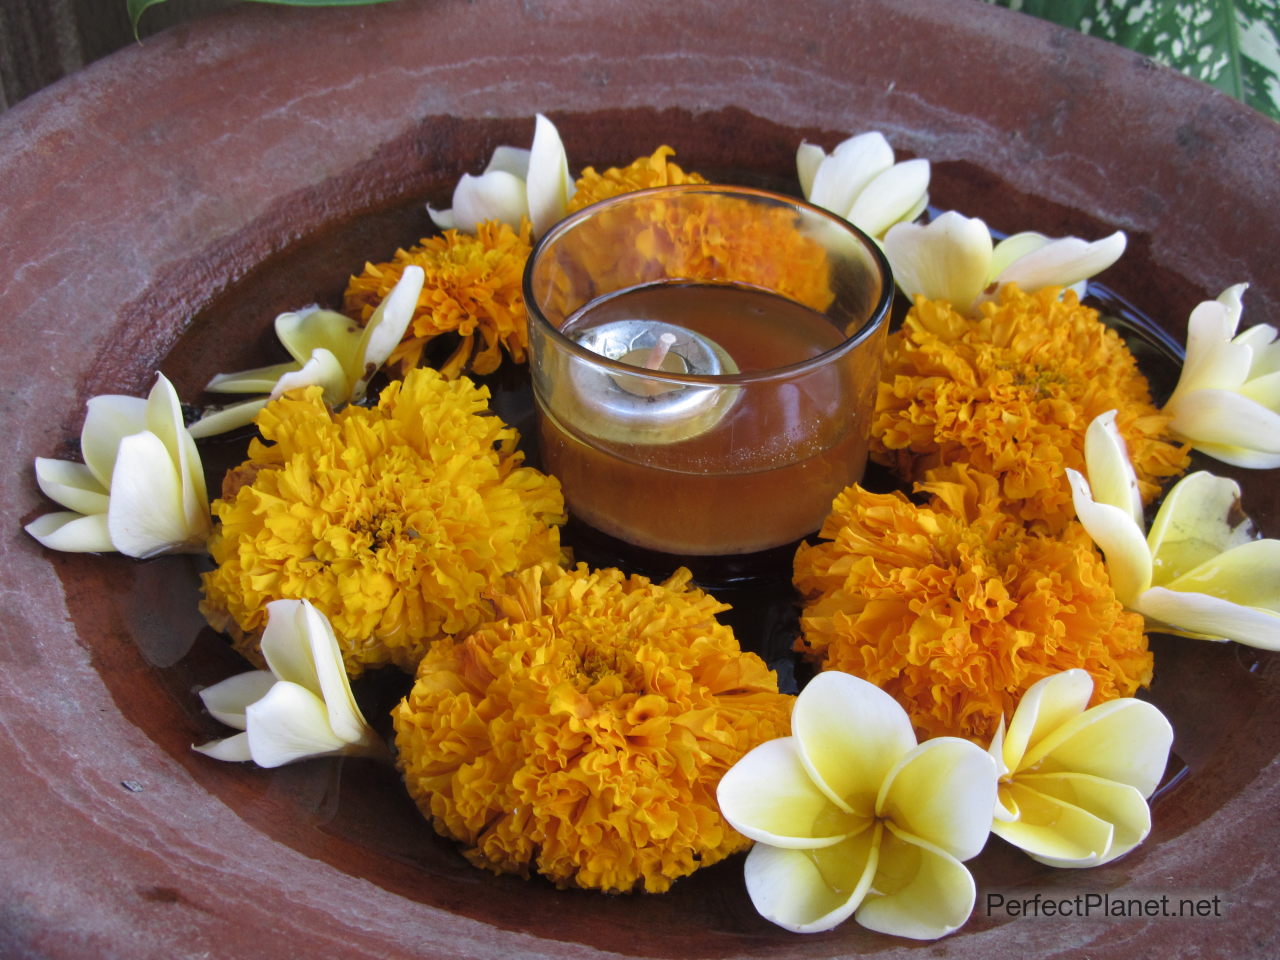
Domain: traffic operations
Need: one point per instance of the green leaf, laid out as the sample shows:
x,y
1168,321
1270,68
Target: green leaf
x,y
1233,45
136,7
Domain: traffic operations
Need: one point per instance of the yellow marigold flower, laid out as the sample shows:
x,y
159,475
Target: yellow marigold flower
x,y
392,521
583,734
956,608
651,171
472,289
1011,394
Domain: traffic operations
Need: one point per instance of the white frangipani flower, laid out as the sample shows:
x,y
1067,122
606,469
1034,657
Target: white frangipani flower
x,y
533,183
1200,572
301,707
860,182
329,350
141,489
1074,782
852,817
1227,401
953,258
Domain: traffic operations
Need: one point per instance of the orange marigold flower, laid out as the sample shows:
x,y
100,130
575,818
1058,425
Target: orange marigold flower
x,y
583,734
652,171
392,521
472,289
1011,394
956,608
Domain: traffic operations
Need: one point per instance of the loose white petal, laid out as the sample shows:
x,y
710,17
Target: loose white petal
x,y
919,891
71,484
1117,536
1111,476
807,891
1124,740
146,515
946,259
226,701
72,532
847,171
1063,262
850,734
289,723
890,197
769,797
550,187
1211,618
942,793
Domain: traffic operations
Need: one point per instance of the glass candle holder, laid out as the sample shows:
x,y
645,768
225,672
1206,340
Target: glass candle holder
x,y
704,363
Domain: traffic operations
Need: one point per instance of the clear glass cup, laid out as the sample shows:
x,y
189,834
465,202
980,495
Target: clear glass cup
x,y
704,363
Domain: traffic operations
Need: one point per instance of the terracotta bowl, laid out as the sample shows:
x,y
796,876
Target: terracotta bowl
x,y
160,207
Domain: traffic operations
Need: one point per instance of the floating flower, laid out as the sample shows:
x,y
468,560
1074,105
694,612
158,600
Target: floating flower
x,y
518,184
953,258
582,734
471,290
860,182
392,521
1074,782
329,351
852,817
956,609
1227,401
141,489
301,707
1011,394
655,170
1201,571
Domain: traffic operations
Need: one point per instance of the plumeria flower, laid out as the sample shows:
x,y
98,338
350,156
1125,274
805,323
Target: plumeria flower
x,y
860,182
1227,401
533,183
851,816
301,707
329,350
1074,782
141,489
1200,571
953,258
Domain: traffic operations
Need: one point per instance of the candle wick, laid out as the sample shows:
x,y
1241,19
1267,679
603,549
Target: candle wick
x,y
659,351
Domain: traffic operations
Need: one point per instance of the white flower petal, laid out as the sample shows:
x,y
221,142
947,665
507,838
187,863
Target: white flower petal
x,y
345,717
1118,804
146,516
234,749
227,418
71,484
1213,361
72,532
946,259
512,160
847,171
443,219
1117,536
302,332
1195,524
890,197
286,645
1045,706
769,797
257,380
110,418
919,891
849,735
549,185
942,793
1111,476
385,329
1233,299
1014,247
491,196
1052,831
165,420
1224,418
321,370
226,701
806,891
809,157
1211,618
1063,262
289,723
1124,740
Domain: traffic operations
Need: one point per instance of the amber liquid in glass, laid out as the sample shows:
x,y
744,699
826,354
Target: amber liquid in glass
x,y
761,476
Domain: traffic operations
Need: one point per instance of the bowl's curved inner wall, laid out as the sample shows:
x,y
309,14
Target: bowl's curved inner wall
x,y
139,620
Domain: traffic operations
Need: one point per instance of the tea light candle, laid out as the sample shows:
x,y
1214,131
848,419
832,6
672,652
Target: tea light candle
x,y
637,409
